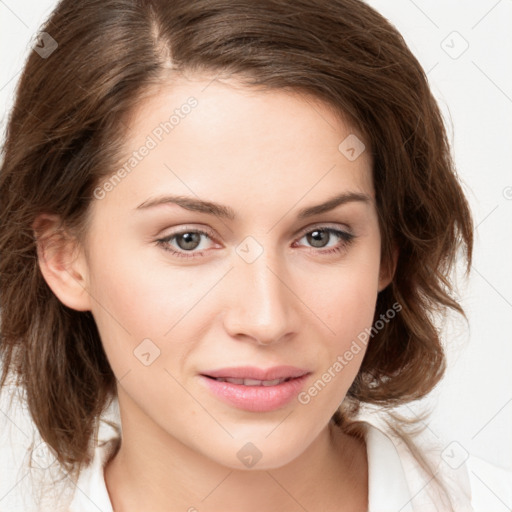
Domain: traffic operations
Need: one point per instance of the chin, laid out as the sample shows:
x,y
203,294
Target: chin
x,y
257,455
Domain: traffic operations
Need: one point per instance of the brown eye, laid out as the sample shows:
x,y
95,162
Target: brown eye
x,y
318,237
331,240
188,241
185,243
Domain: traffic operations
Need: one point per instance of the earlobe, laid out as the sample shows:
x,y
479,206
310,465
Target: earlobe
x,y
61,262
388,268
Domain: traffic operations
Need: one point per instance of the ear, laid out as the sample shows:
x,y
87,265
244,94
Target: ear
x,y
388,268
62,262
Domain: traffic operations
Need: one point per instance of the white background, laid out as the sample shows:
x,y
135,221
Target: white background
x,y
473,405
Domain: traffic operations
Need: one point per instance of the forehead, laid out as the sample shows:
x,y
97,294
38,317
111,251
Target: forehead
x,y
221,138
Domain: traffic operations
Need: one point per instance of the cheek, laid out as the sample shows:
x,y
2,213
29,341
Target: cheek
x,y
143,296
138,299
350,306
350,319
347,307
349,296
129,305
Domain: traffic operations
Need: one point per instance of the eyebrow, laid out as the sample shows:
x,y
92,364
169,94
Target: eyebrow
x,y
222,211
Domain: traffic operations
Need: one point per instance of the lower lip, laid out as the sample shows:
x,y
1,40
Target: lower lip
x,y
256,398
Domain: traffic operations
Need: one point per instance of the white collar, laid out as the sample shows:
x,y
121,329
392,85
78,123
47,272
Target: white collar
x,y
91,491
387,485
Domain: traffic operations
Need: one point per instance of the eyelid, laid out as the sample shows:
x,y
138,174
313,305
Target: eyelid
x,y
323,225
184,228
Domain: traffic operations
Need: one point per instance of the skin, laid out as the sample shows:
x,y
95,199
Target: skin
x,y
266,155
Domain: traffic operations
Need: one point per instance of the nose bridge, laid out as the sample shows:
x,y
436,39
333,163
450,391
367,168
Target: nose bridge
x,y
261,305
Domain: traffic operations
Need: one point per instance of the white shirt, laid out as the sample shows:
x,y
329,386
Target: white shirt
x,y
395,481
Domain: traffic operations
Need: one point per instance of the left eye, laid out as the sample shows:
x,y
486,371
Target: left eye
x,y
319,237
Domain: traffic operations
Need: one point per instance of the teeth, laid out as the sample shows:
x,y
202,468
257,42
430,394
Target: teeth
x,y
274,382
253,382
235,381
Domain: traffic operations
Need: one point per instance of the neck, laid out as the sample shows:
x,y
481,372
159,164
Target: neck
x,y
154,471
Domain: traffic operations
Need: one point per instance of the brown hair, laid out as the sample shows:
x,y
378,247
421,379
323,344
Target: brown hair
x,y
66,129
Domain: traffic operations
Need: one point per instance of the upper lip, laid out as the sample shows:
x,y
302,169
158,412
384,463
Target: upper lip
x,y
251,372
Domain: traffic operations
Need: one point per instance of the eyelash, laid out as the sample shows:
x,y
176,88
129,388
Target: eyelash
x,y
347,239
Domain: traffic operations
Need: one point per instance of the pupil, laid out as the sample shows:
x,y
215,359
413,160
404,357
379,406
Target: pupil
x,y
318,238
188,241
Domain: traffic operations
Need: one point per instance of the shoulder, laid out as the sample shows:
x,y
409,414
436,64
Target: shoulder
x,y
428,474
31,479
91,486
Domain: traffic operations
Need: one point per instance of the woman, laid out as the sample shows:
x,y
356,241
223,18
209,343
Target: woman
x,y
234,222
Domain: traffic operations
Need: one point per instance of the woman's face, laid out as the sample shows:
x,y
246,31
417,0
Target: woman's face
x,y
250,270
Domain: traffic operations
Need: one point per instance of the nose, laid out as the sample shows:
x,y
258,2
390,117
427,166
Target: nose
x,y
260,306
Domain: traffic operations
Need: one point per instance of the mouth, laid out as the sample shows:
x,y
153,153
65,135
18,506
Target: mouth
x,y
251,382
252,376
254,389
